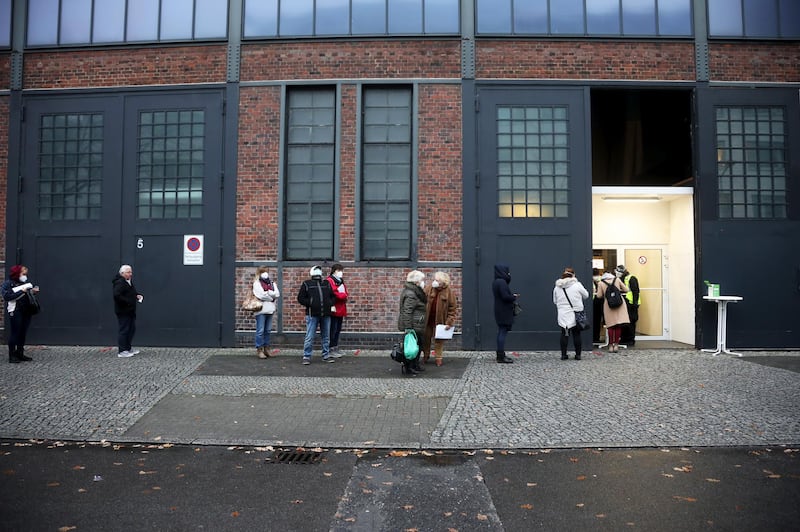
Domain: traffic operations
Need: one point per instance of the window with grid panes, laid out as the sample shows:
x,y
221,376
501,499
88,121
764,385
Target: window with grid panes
x,y
532,162
751,162
386,173
310,170
171,164
70,167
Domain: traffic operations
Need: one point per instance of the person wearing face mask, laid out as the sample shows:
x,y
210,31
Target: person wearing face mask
x,y
15,292
339,309
267,291
503,309
316,296
125,299
412,314
597,308
441,310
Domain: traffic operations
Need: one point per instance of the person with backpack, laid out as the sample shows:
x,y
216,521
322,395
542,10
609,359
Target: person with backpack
x,y
615,313
632,301
317,297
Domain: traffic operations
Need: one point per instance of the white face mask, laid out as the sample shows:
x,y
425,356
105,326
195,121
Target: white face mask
x,y
23,278
422,284
435,284
265,276
338,275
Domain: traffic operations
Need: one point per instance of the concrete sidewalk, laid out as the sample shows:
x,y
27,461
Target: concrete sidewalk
x,y
643,398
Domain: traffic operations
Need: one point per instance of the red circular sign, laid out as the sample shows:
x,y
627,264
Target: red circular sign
x,y
193,244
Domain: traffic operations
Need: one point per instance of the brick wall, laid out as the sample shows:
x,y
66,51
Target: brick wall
x,y
5,70
356,59
742,61
129,66
517,59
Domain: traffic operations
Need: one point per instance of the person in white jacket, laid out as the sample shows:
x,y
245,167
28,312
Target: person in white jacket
x,y
568,290
267,291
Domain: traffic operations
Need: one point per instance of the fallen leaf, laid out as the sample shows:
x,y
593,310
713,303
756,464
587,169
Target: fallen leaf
x,y
328,474
712,480
9,472
297,501
399,453
350,519
482,517
573,460
82,490
78,468
526,506
448,514
600,516
234,514
684,469
53,484
581,477
580,505
667,475
531,484
67,528
408,507
366,491
147,472
685,499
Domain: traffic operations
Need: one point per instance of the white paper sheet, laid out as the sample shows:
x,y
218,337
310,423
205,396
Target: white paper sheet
x,y
444,334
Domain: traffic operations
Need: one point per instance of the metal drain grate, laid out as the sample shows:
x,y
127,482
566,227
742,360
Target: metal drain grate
x,y
295,457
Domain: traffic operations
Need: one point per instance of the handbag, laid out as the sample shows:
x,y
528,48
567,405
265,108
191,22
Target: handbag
x,y
397,352
251,303
581,321
33,306
516,308
410,345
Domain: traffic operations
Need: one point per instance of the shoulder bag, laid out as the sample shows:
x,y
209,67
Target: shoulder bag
x,y
581,321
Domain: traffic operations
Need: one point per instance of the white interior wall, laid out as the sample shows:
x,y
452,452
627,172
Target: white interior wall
x,y
668,223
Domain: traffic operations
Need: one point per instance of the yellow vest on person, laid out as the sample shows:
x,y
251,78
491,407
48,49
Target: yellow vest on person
x,y
629,293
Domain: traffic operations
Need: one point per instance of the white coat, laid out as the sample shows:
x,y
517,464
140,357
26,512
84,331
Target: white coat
x,y
577,293
267,296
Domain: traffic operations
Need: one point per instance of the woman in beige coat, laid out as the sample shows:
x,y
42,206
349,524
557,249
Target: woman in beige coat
x,y
441,310
615,317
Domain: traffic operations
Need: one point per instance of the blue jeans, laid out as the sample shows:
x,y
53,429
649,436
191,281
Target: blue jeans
x,y
263,327
502,332
336,329
324,324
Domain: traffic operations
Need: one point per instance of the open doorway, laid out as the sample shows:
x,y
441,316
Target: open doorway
x,y
642,202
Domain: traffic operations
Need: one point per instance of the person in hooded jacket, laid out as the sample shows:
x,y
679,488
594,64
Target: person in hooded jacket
x,y
503,309
568,296
125,299
615,318
15,293
339,310
267,292
317,297
413,314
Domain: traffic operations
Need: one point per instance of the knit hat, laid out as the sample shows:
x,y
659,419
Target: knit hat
x,y
315,271
15,272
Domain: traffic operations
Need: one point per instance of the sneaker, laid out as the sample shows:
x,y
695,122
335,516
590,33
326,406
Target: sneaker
x,y
124,354
306,361
330,359
336,353
135,351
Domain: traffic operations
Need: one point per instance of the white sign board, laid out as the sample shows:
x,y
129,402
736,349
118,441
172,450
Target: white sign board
x,y
192,250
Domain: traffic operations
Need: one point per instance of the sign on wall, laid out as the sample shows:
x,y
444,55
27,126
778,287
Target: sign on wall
x,y
192,250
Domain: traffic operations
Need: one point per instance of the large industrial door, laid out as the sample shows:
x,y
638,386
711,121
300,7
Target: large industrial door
x,y
533,208
121,179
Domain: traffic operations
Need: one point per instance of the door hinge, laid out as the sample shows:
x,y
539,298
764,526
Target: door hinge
x,y
477,104
221,180
22,113
220,254
477,255
477,179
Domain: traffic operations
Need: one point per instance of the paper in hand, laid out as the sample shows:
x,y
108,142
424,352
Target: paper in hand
x,y
442,333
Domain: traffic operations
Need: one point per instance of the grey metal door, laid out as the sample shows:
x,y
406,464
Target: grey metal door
x,y
533,207
121,179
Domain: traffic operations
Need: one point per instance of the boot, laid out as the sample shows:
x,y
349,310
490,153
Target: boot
x,y
408,369
267,352
416,367
12,355
503,359
260,353
577,356
21,354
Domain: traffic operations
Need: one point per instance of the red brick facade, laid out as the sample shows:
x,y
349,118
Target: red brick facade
x,y
518,59
775,63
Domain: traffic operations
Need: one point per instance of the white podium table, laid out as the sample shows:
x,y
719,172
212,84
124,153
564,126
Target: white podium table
x,y
722,324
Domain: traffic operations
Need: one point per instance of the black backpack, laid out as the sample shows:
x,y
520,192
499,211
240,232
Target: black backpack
x,y
613,295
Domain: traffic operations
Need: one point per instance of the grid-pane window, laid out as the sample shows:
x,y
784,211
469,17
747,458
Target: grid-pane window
x,y
386,174
81,22
751,162
532,162
310,171
70,167
316,18
634,18
5,23
171,164
758,19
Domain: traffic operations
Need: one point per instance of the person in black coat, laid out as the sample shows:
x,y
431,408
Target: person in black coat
x,y
20,309
317,297
503,309
125,299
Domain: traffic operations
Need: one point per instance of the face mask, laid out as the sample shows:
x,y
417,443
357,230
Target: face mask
x,y
422,284
435,284
265,276
338,275
23,278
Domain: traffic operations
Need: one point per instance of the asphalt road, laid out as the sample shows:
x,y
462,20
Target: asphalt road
x,y
58,486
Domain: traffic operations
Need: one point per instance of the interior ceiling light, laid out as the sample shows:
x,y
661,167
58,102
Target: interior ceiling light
x,y
643,199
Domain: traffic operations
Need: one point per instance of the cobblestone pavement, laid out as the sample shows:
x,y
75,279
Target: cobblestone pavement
x,y
641,399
